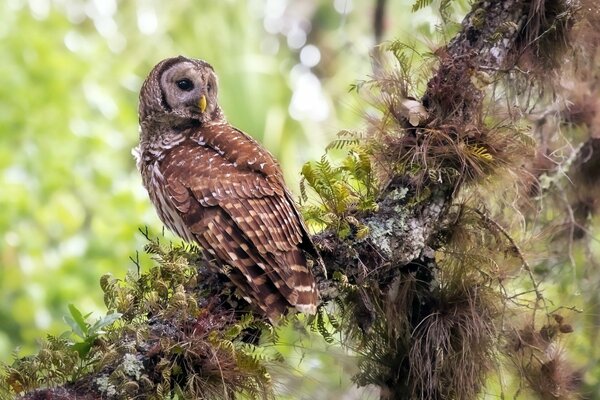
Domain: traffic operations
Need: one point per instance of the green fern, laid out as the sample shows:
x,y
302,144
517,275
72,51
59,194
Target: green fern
x,y
480,152
446,11
356,87
321,324
346,140
343,189
402,52
420,4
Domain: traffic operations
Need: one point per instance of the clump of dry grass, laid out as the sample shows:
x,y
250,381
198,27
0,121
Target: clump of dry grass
x,y
447,151
538,358
452,348
544,38
424,341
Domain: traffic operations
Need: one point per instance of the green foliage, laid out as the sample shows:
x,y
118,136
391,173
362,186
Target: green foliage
x,y
323,322
401,52
56,363
444,8
203,363
410,74
60,359
419,4
190,352
161,289
343,190
339,144
89,333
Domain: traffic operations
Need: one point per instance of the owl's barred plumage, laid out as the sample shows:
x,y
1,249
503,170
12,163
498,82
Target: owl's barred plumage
x,y
214,185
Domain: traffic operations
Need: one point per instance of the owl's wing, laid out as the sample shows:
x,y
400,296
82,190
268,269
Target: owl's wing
x,y
258,205
245,218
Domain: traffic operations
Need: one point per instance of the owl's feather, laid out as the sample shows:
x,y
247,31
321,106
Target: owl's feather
x,y
246,219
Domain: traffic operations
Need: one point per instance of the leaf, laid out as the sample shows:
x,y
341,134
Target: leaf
x,y
362,232
83,348
420,4
341,143
74,326
356,87
107,320
77,321
446,10
320,323
481,153
303,194
343,189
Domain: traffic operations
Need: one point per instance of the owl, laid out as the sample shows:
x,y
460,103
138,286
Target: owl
x,y
214,185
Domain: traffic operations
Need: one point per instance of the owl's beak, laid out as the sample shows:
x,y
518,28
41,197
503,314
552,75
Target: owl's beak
x,y
202,103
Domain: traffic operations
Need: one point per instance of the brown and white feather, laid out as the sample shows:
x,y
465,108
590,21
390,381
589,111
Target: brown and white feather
x,y
214,185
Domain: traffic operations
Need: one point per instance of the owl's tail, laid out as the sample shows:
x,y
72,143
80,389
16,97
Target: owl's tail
x,y
304,295
272,281
280,281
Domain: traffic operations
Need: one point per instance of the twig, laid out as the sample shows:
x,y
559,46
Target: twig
x,y
538,294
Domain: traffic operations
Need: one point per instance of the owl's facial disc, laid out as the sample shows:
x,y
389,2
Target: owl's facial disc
x,y
189,90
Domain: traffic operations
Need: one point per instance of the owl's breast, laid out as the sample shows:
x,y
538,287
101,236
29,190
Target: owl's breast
x,y
156,185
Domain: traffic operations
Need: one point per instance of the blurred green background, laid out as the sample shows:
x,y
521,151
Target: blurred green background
x,y
71,200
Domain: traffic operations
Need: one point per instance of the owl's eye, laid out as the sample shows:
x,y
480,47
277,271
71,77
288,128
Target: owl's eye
x,y
209,86
185,84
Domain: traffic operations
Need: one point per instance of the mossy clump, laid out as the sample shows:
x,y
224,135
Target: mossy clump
x,y
178,336
537,356
544,38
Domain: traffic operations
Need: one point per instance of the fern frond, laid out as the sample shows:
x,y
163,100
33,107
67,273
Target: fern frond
x,y
399,49
343,189
420,4
341,144
356,87
320,325
303,194
446,10
481,153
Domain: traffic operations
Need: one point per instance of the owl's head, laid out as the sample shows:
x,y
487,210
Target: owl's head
x,y
182,88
